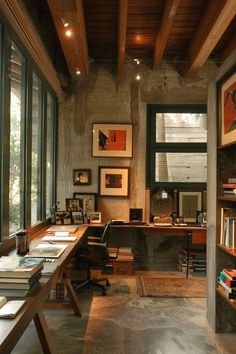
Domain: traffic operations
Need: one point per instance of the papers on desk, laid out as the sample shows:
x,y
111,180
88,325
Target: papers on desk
x,y
59,238
47,250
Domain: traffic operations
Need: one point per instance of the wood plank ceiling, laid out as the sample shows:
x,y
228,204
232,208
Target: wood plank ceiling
x,y
184,32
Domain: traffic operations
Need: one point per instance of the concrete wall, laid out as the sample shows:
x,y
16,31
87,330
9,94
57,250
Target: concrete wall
x,y
102,98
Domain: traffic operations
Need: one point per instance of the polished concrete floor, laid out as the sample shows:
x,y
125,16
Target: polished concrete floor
x,y
125,323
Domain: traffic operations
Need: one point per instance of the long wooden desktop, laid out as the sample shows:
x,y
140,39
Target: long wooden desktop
x,y
12,330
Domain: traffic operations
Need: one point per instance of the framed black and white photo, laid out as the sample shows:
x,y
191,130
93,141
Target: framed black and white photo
x,y
73,204
77,217
95,218
63,217
89,201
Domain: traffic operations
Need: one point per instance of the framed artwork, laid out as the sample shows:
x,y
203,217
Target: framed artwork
x,y
189,204
81,177
95,218
73,204
77,217
112,140
227,110
113,181
89,201
63,217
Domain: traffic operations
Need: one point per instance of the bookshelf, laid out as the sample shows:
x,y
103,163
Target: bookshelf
x,y
225,256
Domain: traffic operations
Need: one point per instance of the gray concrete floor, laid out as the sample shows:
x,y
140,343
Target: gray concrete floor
x,y
125,323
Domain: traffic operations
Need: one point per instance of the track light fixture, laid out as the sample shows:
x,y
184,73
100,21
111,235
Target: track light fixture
x,y
64,22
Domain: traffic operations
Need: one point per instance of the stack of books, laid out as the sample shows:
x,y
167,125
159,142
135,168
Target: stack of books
x,y
227,282
125,253
229,189
197,260
19,275
113,251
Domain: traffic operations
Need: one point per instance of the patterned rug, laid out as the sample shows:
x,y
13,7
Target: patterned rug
x,y
171,287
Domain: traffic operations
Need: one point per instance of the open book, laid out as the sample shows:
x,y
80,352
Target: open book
x,y
47,250
9,309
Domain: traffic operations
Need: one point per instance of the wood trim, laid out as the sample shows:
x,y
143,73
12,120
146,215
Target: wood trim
x,y
216,19
171,8
17,16
122,36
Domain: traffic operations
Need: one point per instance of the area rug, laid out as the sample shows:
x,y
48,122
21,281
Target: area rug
x,y
171,287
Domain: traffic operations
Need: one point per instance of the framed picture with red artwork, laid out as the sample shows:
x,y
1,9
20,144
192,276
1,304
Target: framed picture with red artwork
x,y
227,109
112,140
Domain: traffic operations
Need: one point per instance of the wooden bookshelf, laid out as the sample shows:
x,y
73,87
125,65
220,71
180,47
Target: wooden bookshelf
x,y
231,251
226,199
220,291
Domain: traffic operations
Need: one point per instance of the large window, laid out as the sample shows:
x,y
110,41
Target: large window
x,y
49,153
27,147
16,141
36,150
176,147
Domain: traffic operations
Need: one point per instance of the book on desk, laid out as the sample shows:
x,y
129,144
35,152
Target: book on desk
x,y
10,308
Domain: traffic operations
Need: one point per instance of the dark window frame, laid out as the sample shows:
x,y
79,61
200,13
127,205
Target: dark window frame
x,y
152,146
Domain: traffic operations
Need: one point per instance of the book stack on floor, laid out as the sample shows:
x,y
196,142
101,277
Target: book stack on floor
x,y
125,253
197,260
124,263
19,275
227,283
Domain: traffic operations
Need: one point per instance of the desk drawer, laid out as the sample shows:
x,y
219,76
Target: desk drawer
x,y
123,267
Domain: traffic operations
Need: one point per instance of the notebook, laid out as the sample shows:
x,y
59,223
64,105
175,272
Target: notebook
x,y
59,238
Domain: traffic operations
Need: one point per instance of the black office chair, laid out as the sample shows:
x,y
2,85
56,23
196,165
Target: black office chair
x,y
95,254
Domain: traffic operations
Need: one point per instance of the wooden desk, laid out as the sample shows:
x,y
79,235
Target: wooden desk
x,y
12,330
192,233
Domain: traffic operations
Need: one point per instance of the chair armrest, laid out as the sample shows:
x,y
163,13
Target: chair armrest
x,y
96,244
94,239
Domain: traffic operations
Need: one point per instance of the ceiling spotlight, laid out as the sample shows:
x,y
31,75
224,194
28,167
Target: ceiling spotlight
x,y
64,22
138,77
137,61
78,72
68,33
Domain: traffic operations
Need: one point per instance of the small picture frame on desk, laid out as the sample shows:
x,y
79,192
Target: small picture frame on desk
x,y
77,217
63,217
95,218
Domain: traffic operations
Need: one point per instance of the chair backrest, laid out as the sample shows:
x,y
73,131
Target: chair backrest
x,y
106,232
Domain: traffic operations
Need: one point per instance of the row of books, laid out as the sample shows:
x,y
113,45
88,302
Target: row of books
x,y
229,189
228,228
227,282
19,275
195,263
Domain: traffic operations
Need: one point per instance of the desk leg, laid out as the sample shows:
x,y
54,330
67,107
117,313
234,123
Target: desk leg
x,y
73,298
189,238
43,333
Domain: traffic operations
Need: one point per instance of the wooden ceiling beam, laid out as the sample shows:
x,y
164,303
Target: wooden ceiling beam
x,y
216,19
170,10
123,8
83,45
75,47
